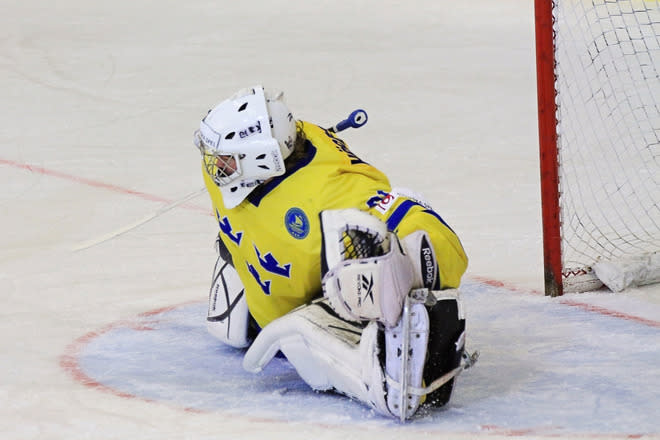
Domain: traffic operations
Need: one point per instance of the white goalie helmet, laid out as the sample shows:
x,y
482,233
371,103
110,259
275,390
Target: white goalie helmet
x,y
244,141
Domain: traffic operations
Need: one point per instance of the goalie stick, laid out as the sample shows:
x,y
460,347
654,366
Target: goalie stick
x,y
468,360
147,218
356,119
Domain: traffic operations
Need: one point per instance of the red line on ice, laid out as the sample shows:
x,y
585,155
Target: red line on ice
x,y
96,184
608,312
572,303
69,363
69,360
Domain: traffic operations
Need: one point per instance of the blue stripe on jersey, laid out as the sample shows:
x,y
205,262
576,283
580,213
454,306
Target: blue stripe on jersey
x,y
398,214
401,211
436,215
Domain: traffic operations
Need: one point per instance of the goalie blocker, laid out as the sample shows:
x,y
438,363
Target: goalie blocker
x,y
379,335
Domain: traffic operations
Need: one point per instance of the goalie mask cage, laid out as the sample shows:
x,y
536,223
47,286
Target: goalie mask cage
x,y
598,83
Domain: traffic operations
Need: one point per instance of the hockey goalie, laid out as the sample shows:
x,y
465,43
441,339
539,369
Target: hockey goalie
x,y
354,282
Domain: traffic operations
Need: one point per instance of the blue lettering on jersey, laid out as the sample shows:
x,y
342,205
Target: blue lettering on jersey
x,y
341,146
226,229
265,285
297,223
375,200
269,263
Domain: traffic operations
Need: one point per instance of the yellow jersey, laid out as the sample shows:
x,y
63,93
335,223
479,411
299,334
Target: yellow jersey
x,y
274,235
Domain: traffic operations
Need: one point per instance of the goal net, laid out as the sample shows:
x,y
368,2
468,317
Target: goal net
x,y
598,69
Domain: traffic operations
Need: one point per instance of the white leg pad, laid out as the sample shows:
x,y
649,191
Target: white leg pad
x,y
326,351
395,344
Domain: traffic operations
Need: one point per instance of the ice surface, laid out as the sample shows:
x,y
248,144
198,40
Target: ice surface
x,y
106,341
570,381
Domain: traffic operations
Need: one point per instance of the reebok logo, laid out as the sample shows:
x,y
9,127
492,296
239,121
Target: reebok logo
x,y
365,288
427,264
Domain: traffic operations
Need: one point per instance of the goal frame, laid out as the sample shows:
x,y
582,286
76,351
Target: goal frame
x,y
599,134
547,128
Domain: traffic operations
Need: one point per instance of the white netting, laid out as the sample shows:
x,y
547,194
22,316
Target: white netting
x,y
608,97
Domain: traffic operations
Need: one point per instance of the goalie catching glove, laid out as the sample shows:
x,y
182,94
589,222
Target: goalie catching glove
x,y
367,274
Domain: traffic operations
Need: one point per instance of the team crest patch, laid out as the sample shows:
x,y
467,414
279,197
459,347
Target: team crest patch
x,y
296,223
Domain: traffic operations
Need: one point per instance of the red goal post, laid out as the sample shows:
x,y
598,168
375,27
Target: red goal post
x,y
547,110
598,86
